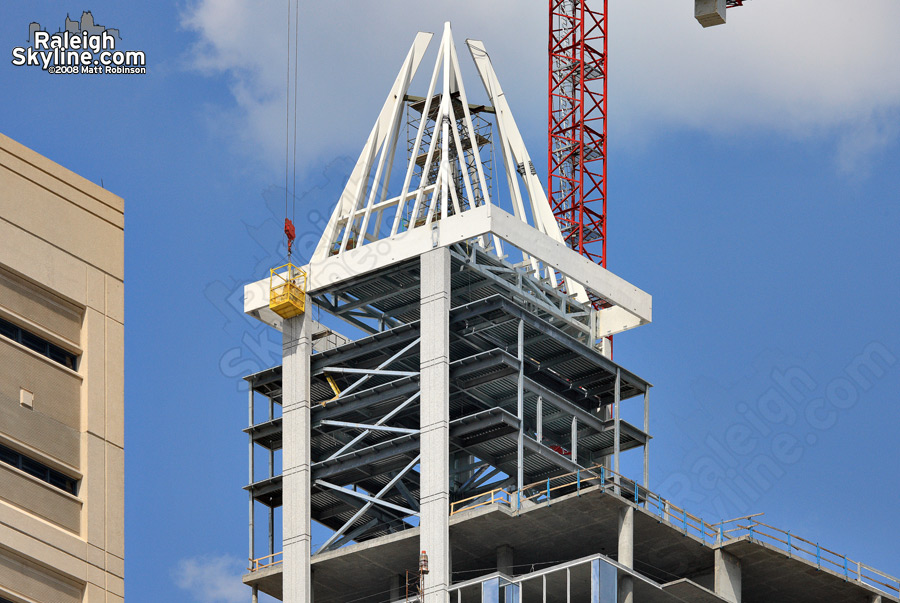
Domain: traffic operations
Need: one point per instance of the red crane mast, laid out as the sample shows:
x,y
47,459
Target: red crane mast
x,y
577,128
578,67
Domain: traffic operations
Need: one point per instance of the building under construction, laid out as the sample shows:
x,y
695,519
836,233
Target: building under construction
x,y
466,445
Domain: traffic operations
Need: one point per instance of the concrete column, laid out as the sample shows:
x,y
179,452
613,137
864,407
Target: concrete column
x,y
875,599
506,559
728,576
296,529
394,587
434,422
626,553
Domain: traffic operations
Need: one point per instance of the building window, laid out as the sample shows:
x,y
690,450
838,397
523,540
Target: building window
x,y
38,470
39,345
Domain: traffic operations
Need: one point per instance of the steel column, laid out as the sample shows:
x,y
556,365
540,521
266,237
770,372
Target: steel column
x,y
647,443
252,451
617,443
520,410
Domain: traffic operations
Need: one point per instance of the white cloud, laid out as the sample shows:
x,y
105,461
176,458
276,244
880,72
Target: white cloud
x,y
803,68
212,579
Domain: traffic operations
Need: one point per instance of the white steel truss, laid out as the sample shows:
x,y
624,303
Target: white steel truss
x,y
442,197
451,176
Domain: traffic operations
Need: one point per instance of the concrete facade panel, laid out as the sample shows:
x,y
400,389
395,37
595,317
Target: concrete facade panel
x,y
27,579
36,305
39,498
20,425
56,391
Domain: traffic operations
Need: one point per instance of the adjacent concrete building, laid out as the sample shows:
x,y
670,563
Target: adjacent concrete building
x,y
61,384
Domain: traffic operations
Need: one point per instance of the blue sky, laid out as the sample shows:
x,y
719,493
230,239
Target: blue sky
x,y
754,172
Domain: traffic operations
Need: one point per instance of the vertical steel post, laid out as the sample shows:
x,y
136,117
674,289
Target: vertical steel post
x,y
540,419
252,510
617,431
271,474
647,443
520,408
574,450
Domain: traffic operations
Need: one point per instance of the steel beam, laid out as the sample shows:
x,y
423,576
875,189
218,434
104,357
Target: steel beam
x,y
366,506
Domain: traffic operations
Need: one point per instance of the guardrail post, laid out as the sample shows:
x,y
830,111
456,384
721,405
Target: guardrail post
x,y
790,549
702,532
518,500
548,491
602,478
578,480
684,520
635,493
818,556
845,569
721,535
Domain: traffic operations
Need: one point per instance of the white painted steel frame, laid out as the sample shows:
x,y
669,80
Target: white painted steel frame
x,y
630,306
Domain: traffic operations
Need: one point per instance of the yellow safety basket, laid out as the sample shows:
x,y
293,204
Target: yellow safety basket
x,y
287,290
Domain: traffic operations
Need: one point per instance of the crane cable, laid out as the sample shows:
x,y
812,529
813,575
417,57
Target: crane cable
x,y
289,229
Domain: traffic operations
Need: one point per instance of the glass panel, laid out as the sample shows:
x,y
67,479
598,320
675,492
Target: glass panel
x,y
63,482
34,468
7,329
9,456
39,345
490,591
604,579
34,342
511,593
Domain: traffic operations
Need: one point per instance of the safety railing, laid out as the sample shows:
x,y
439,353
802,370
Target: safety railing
x,y
813,552
267,561
498,496
545,491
